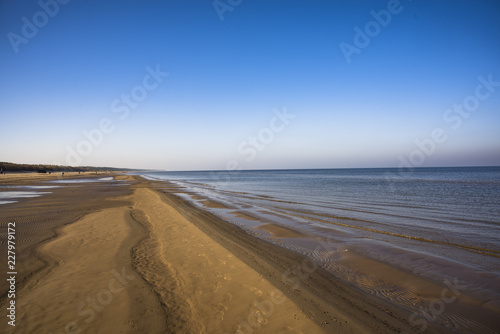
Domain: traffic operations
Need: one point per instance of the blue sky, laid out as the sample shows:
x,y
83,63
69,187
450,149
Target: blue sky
x,y
233,66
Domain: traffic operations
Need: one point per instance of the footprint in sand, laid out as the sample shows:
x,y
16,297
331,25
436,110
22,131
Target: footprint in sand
x,y
256,291
198,291
219,316
217,286
258,317
228,297
221,309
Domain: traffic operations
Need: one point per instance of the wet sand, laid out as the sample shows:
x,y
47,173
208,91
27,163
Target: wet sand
x,y
135,258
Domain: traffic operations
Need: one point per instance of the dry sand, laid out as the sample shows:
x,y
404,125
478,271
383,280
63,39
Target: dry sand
x,y
102,258
203,286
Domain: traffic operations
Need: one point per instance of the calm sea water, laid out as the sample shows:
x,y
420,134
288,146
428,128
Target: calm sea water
x,y
449,212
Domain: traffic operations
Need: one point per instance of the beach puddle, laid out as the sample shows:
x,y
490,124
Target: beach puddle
x,y
104,179
30,187
6,196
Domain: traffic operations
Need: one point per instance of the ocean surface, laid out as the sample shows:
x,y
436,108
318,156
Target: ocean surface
x,y
440,223
457,209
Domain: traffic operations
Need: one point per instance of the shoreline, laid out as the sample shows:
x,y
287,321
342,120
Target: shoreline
x,y
203,273
432,286
335,305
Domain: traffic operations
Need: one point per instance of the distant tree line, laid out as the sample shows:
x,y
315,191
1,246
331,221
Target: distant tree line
x,y
17,168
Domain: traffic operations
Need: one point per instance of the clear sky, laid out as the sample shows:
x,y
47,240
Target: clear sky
x,y
198,84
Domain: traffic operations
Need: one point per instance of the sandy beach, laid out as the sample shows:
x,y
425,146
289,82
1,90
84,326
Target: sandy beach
x,y
126,255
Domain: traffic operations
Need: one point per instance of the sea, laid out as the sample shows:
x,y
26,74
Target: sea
x,y
438,223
